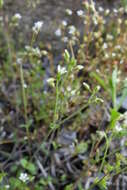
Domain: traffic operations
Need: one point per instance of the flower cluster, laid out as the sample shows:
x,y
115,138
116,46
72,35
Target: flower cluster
x,y
33,51
37,26
24,177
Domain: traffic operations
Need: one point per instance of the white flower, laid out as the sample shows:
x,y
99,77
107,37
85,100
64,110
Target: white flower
x,y
65,39
37,26
80,12
118,127
73,92
118,47
19,61
25,85
51,81
115,10
120,21
101,9
61,70
107,11
121,61
58,32
64,23
113,54
34,51
125,122
106,55
68,88
105,46
37,52
98,87
72,29
95,21
7,186
69,11
17,16
24,177
79,67
86,86
92,6
109,37
85,22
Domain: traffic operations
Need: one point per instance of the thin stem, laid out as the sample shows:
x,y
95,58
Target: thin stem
x,y
56,103
105,154
23,92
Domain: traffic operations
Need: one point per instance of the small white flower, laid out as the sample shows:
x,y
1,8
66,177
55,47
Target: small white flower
x,y
65,39
101,9
97,70
107,11
95,21
98,87
121,61
37,52
118,128
25,85
17,16
72,29
80,12
64,23
61,70
73,92
113,54
85,22
58,32
7,186
118,47
24,177
69,11
19,61
86,86
92,6
37,26
79,67
106,55
69,88
105,46
120,21
115,10
109,37
34,51
51,81
27,47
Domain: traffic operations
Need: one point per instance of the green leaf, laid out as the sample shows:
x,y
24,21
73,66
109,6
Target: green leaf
x,y
28,166
24,163
1,3
69,187
2,175
114,118
31,168
103,184
112,85
99,80
81,148
66,56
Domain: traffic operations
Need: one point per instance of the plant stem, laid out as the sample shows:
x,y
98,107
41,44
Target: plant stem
x,y
55,117
23,92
